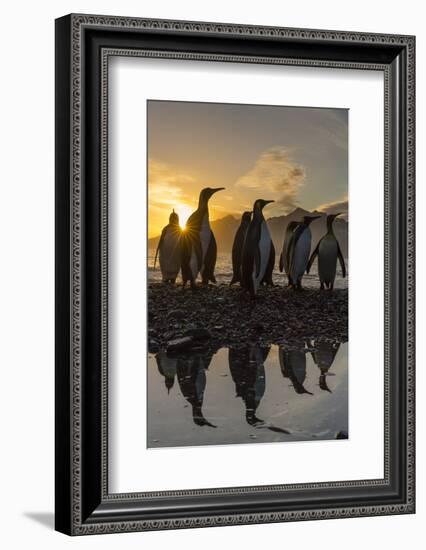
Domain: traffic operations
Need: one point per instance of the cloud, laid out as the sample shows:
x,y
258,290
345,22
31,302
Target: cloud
x,y
277,175
166,186
166,183
334,207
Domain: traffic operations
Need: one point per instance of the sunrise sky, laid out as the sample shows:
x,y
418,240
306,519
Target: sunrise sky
x,y
295,155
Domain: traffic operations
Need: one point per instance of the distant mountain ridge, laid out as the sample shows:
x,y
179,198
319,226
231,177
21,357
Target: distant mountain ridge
x,y
225,228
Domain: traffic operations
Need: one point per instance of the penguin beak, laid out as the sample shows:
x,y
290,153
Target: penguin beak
x,y
338,214
217,189
267,202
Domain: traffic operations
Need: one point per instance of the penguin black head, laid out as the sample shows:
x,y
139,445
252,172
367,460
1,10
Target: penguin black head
x,y
174,218
246,217
208,192
259,204
331,218
307,220
169,381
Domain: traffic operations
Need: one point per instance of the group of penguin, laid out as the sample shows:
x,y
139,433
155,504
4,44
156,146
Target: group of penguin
x,y
247,370
193,251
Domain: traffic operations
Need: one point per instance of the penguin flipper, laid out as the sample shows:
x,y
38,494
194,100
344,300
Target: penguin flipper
x,y
341,260
281,266
160,242
312,258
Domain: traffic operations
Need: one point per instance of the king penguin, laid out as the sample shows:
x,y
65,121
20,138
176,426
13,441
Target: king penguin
x,y
288,237
328,251
169,249
258,252
191,375
199,250
323,356
248,373
300,248
237,247
293,366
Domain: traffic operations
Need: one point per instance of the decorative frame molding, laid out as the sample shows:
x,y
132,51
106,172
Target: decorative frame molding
x,y
84,43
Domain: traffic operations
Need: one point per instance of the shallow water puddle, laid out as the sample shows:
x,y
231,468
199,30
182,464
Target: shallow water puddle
x,y
249,394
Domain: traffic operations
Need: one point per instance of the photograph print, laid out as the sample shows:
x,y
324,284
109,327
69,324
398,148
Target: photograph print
x,y
248,271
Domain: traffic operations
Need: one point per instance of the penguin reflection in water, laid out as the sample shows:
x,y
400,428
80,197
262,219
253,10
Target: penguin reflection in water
x,y
237,247
293,366
167,366
191,375
258,256
199,249
284,257
323,356
299,251
248,373
169,250
328,252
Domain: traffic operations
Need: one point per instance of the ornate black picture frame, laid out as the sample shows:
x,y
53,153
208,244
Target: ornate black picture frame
x,y
83,45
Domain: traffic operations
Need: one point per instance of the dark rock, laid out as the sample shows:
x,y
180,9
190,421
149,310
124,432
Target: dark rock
x,y
176,314
180,344
342,435
153,346
222,315
198,333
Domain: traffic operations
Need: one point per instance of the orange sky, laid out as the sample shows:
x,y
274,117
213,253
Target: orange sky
x,y
296,156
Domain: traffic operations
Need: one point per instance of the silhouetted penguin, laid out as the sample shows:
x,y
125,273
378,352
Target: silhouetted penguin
x,y
167,367
323,356
300,249
237,247
169,248
328,252
288,237
248,373
293,366
258,252
191,375
199,250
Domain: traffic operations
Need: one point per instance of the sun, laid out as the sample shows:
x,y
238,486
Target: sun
x,y
183,211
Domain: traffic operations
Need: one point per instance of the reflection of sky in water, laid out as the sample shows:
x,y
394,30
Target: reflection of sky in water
x,y
292,395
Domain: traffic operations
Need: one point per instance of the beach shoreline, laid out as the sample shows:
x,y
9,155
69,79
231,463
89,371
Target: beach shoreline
x,y
222,316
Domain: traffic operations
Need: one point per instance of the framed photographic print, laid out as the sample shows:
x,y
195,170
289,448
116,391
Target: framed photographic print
x,y
234,274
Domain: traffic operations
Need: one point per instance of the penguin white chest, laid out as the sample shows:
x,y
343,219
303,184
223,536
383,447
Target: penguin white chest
x,y
301,254
264,253
205,235
170,255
